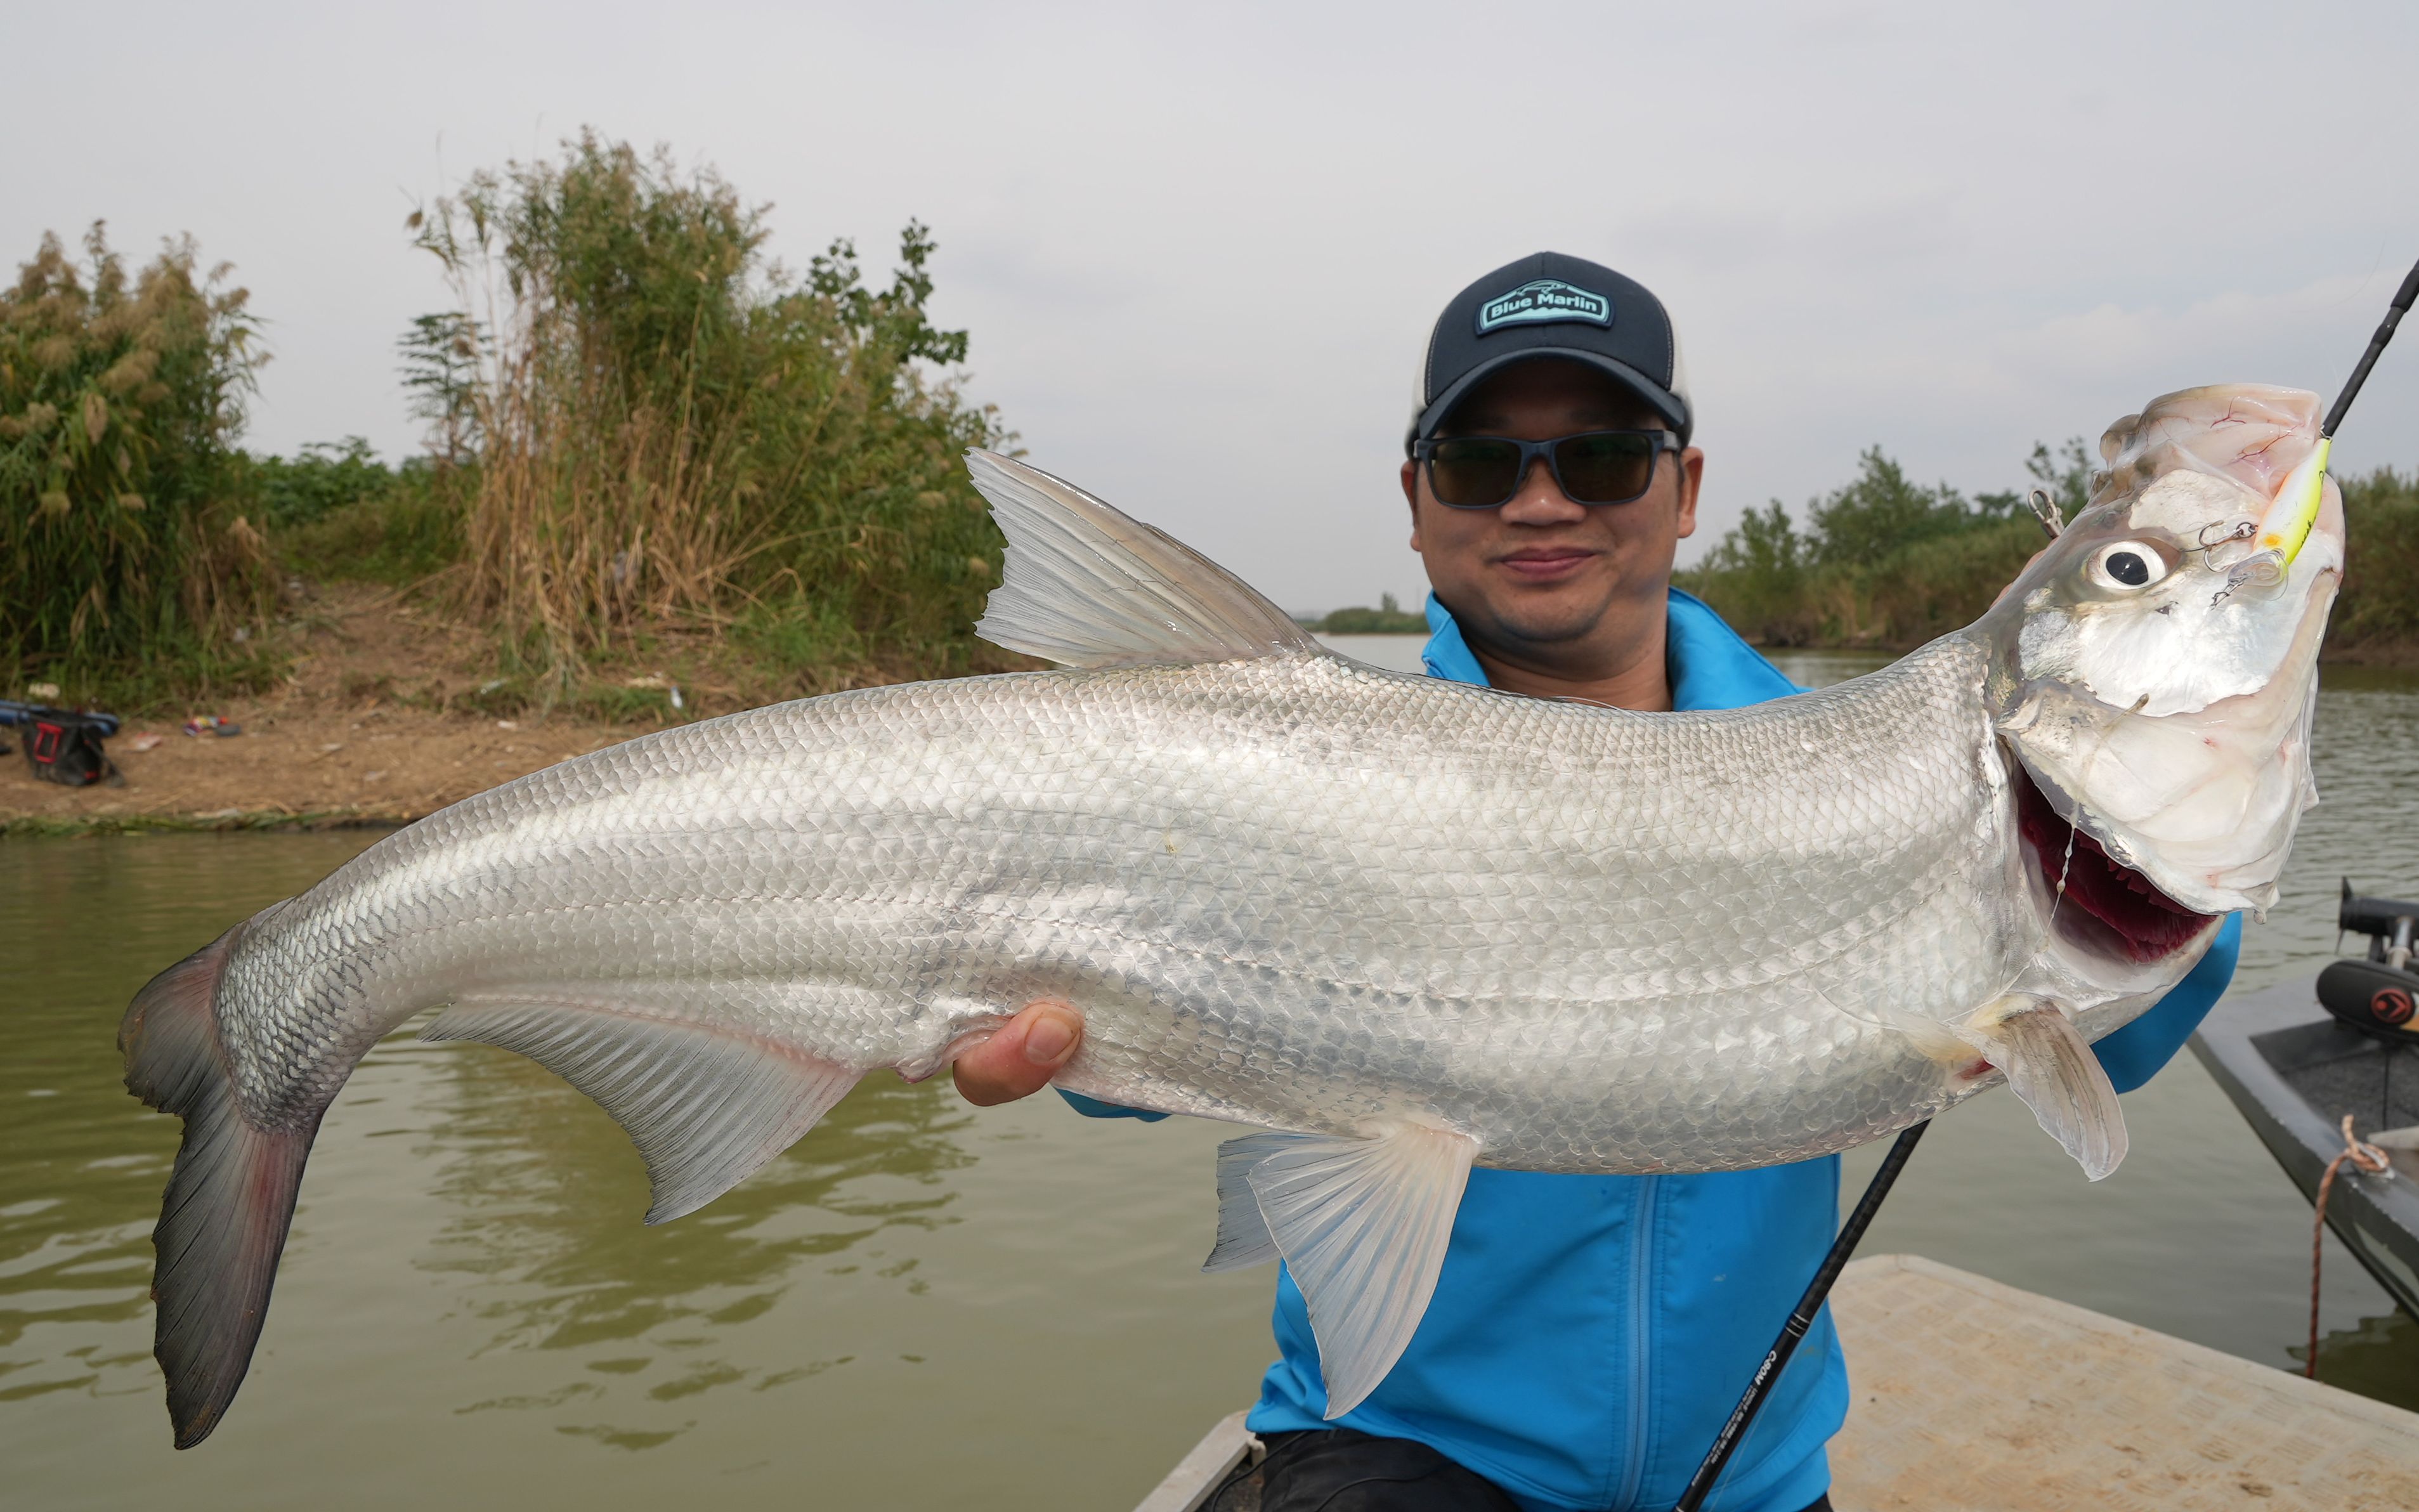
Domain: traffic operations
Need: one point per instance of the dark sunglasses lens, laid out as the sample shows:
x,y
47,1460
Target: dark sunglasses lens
x,y
1474,472
1608,468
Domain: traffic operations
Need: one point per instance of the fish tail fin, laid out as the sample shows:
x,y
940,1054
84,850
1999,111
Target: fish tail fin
x,y
222,1222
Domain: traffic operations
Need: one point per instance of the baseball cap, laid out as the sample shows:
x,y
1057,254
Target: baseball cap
x,y
1552,305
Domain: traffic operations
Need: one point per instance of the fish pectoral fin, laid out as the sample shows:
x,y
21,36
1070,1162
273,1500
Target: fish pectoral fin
x,y
1363,1224
707,1105
2051,1068
1086,586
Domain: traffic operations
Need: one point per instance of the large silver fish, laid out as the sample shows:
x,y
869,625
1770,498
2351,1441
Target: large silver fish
x,y
1400,925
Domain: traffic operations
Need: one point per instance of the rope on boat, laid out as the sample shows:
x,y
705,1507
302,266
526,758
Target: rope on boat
x,y
2370,1161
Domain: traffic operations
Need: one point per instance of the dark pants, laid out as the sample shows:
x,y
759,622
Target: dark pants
x,y
1339,1470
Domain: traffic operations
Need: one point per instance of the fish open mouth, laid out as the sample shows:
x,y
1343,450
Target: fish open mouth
x,y
2134,917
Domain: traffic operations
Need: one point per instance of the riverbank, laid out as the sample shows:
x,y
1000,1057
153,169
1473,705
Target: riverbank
x,y
377,723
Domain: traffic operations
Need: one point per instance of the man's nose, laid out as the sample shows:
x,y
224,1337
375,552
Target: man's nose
x,y
1540,500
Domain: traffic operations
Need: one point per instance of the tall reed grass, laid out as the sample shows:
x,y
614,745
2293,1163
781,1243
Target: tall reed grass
x,y
125,550
674,430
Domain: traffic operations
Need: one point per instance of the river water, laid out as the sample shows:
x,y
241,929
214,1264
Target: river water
x,y
921,1306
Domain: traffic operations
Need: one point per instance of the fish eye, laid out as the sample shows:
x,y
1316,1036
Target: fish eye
x,y
2127,565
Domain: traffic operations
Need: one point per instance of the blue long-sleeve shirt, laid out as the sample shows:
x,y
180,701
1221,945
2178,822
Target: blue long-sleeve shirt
x,y
1589,1333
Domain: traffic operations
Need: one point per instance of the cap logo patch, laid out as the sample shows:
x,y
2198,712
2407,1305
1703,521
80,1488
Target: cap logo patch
x,y
1540,301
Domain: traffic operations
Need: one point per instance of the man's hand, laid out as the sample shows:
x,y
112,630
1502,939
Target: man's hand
x,y
1019,1059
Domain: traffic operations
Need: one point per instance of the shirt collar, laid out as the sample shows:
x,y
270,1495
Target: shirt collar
x,y
1709,666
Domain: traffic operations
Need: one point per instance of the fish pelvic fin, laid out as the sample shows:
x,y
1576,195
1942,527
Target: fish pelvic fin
x,y
1363,1224
2051,1066
706,1105
230,1199
1086,586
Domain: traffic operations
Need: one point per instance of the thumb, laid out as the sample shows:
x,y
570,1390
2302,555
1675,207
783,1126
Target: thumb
x,y
1020,1058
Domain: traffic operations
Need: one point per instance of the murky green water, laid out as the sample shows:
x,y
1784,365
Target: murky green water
x,y
920,1306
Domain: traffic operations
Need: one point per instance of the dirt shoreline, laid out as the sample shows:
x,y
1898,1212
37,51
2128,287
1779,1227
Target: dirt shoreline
x,y
334,748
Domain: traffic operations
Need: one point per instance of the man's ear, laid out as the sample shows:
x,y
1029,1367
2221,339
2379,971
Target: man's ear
x,y
1692,477
1411,497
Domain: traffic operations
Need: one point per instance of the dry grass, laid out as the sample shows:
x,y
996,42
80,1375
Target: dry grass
x,y
675,434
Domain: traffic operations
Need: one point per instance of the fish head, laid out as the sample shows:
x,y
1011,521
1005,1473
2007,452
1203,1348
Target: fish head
x,y
2154,669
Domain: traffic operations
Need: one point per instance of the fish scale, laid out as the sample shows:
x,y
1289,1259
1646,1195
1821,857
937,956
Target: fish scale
x,y
1403,926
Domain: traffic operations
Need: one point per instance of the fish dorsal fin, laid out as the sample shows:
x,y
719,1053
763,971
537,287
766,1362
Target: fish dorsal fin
x,y
1085,586
1363,1224
2050,1065
706,1105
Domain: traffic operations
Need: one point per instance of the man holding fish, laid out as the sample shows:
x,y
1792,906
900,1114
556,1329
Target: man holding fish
x,y
1543,1015
1587,1333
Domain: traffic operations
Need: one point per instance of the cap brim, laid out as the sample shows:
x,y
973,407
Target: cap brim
x,y
1654,394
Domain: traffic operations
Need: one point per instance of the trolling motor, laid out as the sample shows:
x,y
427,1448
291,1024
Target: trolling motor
x,y
2376,996
62,744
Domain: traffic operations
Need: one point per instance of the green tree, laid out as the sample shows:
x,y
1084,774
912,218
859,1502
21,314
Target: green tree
x,y
441,367
1388,618
1880,512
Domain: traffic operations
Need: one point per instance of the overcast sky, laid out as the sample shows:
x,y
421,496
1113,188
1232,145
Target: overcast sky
x,y
1199,249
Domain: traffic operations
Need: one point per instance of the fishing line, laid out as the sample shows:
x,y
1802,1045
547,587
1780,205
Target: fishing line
x,y
2394,313
2063,867
1759,1388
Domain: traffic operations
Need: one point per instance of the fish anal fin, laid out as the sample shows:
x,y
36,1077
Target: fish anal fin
x,y
1363,1224
1086,586
1243,1238
706,1105
2050,1065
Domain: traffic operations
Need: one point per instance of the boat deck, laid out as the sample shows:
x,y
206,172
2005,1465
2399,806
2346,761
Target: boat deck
x,y
1974,1395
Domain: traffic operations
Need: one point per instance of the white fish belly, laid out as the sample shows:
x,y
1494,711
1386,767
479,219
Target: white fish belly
x,y
1292,892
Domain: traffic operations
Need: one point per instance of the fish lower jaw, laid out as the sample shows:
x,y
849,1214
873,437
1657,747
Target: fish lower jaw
x,y
2099,903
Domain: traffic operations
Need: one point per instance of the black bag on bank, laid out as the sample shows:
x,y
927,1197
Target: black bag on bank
x,y
61,745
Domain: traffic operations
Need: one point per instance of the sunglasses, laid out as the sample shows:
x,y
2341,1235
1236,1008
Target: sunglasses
x,y
1597,466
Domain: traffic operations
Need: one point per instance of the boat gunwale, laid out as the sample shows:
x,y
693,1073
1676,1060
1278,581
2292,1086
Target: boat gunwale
x,y
2299,1139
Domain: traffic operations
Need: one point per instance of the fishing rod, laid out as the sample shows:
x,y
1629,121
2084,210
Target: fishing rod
x,y
1701,1483
2286,541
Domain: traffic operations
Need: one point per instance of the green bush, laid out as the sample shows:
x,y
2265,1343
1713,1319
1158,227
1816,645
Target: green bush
x,y
2377,616
1886,562
321,478
1388,618
126,554
403,531
1755,577
671,430
1945,583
